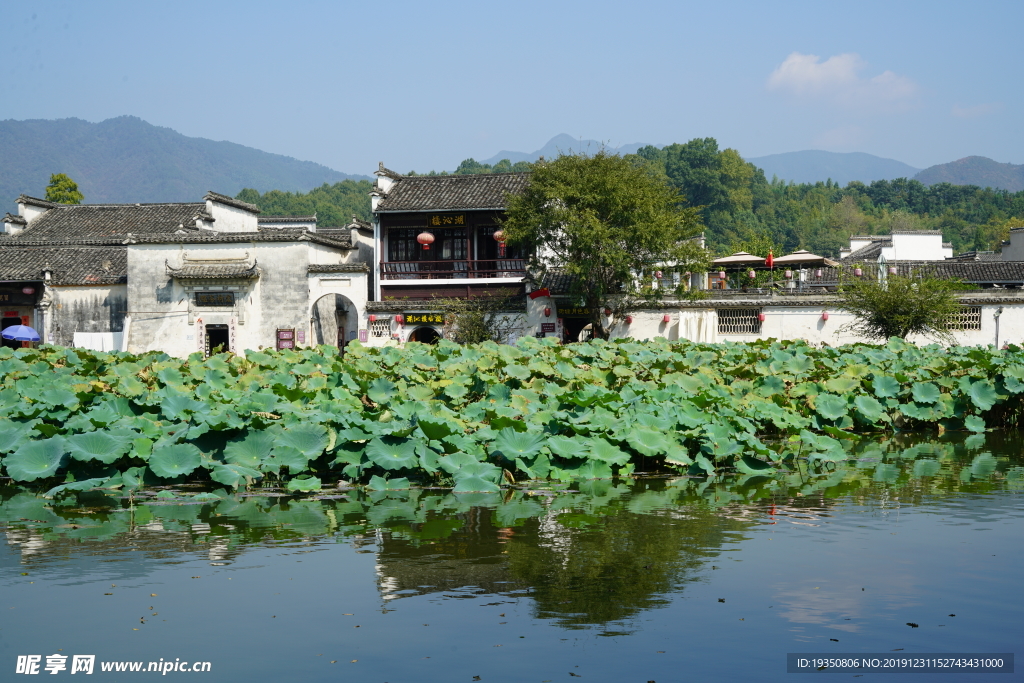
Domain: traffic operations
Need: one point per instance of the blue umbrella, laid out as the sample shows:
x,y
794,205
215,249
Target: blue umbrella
x,y
20,333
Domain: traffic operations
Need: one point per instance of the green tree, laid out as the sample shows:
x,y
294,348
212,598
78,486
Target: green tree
x,y
63,190
480,319
898,306
609,223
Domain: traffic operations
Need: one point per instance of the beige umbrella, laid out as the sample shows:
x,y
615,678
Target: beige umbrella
x,y
740,258
804,258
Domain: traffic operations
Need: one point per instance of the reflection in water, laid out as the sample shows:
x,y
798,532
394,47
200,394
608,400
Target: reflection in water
x,y
597,554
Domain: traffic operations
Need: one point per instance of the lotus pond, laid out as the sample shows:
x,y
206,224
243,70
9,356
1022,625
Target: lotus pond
x,y
907,544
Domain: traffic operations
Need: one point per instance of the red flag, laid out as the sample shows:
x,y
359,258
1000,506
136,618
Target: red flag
x,y
770,261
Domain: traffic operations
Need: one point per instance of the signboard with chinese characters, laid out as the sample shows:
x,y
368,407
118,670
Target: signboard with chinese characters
x,y
285,338
215,298
364,335
424,318
446,220
547,327
573,312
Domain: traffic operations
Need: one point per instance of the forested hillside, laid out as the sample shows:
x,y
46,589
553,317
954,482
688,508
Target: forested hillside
x,y
742,209
334,205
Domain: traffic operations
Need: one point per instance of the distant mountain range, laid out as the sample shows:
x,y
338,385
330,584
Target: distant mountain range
x,y
814,165
562,144
980,171
125,160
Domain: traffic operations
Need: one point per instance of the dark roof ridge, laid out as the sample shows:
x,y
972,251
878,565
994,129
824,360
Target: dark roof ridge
x,y
230,201
381,170
11,218
36,201
287,219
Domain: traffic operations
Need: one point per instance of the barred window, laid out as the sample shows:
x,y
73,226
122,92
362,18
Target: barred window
x,y
380,328
739,321
967,318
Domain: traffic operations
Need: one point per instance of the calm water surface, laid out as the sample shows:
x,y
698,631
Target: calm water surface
x,y
653,579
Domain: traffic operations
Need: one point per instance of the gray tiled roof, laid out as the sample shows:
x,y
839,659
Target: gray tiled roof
x,y
975,272
869,252
557,281
194,271
72,223
286,219
17,220
231,201
272,235
452,192
339,268
69,265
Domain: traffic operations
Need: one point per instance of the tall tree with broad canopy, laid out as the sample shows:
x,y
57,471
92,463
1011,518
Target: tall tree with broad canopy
x,y
610,223
63,190
899,306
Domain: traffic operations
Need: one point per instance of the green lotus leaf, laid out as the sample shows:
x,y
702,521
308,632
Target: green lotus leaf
x,y
233,475
513,444
923,412
174,460
59,398
14,434
983,393
381,390
974,423
868,407
830,406
750,465
286,456
471,483
535,468
310,439
799,364
925,392
435,428
392,453
251,450
455,391
304,484
886,386
105,447
37,459
647,441
456,461
85,485
175,405
983,466
378,483
842,385
603,451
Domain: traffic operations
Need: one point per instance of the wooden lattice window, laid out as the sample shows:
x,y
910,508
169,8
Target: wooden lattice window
x,y
967,318
739,321
380,328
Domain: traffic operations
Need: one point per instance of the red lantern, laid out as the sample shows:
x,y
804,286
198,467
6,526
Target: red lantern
x,y
824,315
373,318
499,237
892,270
818,272
658,274
28,290
789,274
721,275
858,272
629,320
547,311
425,238
666,318
751,274
400,320
760,317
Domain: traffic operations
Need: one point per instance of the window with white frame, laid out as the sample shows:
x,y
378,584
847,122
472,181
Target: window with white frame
x,y
380,327
739,320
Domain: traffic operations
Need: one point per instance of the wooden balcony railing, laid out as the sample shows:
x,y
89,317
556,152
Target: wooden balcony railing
x,y
466,268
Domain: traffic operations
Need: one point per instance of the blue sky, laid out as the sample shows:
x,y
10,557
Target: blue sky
x,y
423,85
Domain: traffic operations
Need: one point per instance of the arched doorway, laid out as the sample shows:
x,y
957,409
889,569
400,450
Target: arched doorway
x,y
334,320
425,335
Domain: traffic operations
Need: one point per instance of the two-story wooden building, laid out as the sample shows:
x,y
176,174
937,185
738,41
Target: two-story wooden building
x,y
435,237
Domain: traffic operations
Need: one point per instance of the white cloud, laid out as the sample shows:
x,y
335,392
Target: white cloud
x,y
976,111
837,80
